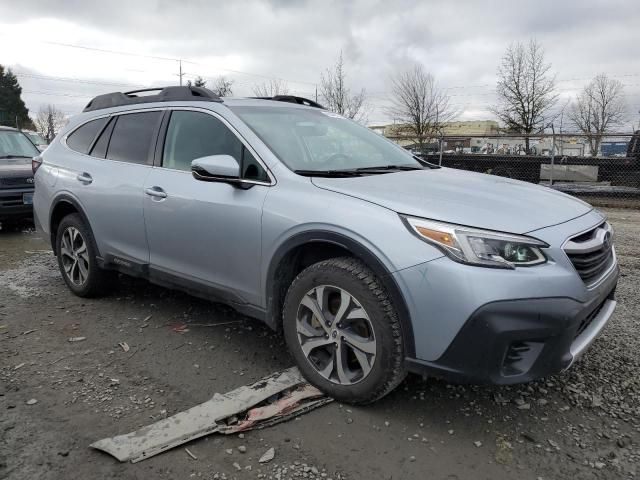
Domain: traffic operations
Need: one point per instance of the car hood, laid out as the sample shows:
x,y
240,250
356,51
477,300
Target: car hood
x,y
15,167
464,198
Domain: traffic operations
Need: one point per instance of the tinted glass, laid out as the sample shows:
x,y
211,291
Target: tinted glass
x,y
81,139
314,139
132,136
100,147
192,135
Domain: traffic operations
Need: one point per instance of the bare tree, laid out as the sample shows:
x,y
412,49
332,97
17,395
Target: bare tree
x,y
419,103
271,88
526,89
598,109
49,121
222,86
338,98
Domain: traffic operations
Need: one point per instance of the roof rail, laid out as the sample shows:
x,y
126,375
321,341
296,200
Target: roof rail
x,y
165,94
293,99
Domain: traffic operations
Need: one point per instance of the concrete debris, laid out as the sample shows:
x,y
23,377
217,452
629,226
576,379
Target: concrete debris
x,y
273,399
32,401
268,456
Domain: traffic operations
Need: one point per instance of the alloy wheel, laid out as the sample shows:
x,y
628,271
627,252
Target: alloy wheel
x,y
336,335
74,256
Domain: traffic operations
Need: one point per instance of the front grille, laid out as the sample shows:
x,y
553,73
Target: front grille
x,y
16,182
11,200
591,253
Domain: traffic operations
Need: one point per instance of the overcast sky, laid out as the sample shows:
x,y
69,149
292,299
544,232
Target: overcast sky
x,y
460,42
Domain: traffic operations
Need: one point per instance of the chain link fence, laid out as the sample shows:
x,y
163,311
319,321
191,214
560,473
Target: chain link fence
x,y
601,169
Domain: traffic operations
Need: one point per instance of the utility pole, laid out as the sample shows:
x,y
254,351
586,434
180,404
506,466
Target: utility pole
x,y
316,93
180,74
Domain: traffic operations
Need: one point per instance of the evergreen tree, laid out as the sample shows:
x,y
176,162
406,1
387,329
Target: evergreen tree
x,y
12,109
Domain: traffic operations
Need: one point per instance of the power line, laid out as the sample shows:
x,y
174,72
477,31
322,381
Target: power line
x,y
77,80
140,55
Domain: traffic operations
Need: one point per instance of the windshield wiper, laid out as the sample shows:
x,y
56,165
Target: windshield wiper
x,y
389,167
14,156
329,173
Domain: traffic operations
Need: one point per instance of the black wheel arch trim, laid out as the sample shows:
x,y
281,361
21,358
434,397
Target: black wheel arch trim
x,y
359,251
66,198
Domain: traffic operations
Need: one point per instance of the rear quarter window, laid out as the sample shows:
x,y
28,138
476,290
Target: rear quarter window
x,y
82,138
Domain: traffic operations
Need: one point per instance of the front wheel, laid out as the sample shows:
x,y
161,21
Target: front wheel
x,y
343,331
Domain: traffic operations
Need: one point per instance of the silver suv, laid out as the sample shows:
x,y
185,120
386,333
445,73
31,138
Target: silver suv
x,y
372,262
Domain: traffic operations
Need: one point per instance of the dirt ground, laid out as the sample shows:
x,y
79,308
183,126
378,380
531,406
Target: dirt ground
x,y
582,424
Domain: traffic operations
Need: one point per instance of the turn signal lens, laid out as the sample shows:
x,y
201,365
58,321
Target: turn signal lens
x,y
440,237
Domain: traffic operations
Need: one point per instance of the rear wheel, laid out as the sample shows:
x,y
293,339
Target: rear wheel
x,y
343,331
76,251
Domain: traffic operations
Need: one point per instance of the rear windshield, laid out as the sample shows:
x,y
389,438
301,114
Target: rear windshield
x,y
314,139
16,144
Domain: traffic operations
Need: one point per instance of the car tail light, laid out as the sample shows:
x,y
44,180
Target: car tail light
x,y
35,163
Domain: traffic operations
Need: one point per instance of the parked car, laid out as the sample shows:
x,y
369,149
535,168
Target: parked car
x,y
40,143
16,176
373,263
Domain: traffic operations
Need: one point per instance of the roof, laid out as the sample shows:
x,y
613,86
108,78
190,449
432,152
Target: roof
x,y
9,129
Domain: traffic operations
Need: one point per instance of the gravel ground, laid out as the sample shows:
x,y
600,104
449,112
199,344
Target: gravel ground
x,y
57,396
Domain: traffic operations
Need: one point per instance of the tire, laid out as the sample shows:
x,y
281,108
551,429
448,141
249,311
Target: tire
x,y
78,265
356,355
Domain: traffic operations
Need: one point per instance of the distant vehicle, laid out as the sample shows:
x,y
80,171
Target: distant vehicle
x,y
40,143
16,176
614,148
371,262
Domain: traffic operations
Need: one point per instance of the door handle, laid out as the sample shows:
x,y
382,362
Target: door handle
x,y
84,177
156,192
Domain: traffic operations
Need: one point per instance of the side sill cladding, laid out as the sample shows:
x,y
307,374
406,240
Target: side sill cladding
x,y
272,294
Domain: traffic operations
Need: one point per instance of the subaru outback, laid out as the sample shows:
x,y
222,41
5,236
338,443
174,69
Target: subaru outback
x,y
372,262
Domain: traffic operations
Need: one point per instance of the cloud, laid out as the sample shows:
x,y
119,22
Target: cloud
x,y
460,42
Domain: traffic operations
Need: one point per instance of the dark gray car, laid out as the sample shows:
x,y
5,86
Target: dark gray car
x,y
16,176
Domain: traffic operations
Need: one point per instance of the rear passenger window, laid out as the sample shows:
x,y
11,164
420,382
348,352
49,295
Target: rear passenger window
x,y
83,137
132,136
192,135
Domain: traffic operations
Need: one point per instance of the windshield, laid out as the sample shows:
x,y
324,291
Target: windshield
x,y
16,144
318,140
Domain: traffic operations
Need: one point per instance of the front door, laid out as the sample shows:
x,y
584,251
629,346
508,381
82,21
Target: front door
x,y
206,233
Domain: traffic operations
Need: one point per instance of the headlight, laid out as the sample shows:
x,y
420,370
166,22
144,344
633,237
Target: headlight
x,y
479,247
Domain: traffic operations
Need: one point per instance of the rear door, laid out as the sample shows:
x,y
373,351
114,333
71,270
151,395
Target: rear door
x,y
206,233
109,183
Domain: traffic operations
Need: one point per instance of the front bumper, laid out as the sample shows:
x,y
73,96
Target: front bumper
x,y
516,341
12,203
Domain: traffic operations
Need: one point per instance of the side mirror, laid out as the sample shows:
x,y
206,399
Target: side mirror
x,y
216,168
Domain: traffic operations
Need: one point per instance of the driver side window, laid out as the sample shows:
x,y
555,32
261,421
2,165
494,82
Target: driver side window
x,y
192,135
